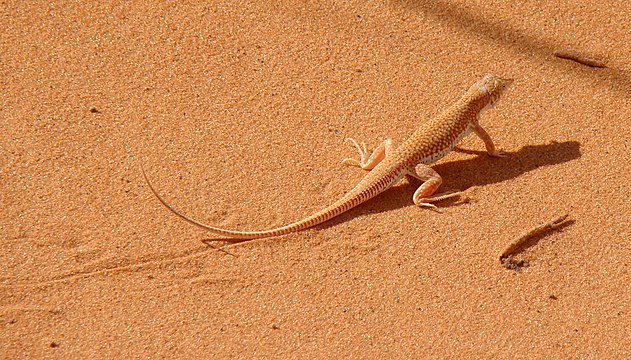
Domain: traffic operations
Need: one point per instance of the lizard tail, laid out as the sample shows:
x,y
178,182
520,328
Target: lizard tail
x,y
348,201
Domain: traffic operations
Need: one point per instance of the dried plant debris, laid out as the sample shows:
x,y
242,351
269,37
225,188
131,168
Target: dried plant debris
x,y
529,238
579,58
515,264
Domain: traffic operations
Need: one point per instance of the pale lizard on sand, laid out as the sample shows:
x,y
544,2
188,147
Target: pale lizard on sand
x,y
387,165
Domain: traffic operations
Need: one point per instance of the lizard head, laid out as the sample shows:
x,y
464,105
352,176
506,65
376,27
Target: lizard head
x,y
492,86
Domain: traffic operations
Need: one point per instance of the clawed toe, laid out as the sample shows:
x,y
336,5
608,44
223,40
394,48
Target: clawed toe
x,y
427,202
351,162
360,148
429,206
498,154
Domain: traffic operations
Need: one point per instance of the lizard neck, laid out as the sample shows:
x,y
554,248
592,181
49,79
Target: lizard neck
x,y
476,100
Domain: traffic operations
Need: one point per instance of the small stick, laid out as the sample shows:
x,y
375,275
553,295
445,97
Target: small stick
x,y
581,59
536,231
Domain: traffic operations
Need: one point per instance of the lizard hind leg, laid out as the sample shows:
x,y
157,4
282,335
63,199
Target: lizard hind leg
x,y
368,162
431,182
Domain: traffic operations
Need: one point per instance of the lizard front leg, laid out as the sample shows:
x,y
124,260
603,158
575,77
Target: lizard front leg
x,y
431,182
369,162
488,143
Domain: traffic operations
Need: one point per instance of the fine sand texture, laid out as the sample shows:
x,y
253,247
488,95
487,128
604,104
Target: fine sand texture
x,y
238,111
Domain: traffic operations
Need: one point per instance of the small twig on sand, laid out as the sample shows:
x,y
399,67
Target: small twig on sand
x,y
581,59
507,255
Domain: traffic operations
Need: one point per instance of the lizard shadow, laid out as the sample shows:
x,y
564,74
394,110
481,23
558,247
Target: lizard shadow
x,y
458,175
463,174
482,170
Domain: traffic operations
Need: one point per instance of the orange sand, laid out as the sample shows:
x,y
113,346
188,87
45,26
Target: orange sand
x,y
239,112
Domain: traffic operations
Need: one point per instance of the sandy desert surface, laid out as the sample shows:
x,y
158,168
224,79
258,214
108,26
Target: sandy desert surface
x,y
238,111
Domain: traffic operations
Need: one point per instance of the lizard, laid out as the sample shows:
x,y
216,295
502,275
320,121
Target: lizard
x,y
387,165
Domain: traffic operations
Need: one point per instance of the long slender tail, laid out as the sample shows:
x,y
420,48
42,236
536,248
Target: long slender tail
x,y
346,202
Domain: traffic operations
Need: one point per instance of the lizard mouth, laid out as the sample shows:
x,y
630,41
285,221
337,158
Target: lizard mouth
x,y
496,84
493,85
497,87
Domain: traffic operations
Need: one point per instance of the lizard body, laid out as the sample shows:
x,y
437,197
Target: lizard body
x,y
387,165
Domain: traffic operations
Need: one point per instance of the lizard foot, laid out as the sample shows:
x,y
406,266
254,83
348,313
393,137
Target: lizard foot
x,y
427,202
498,154
363,154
